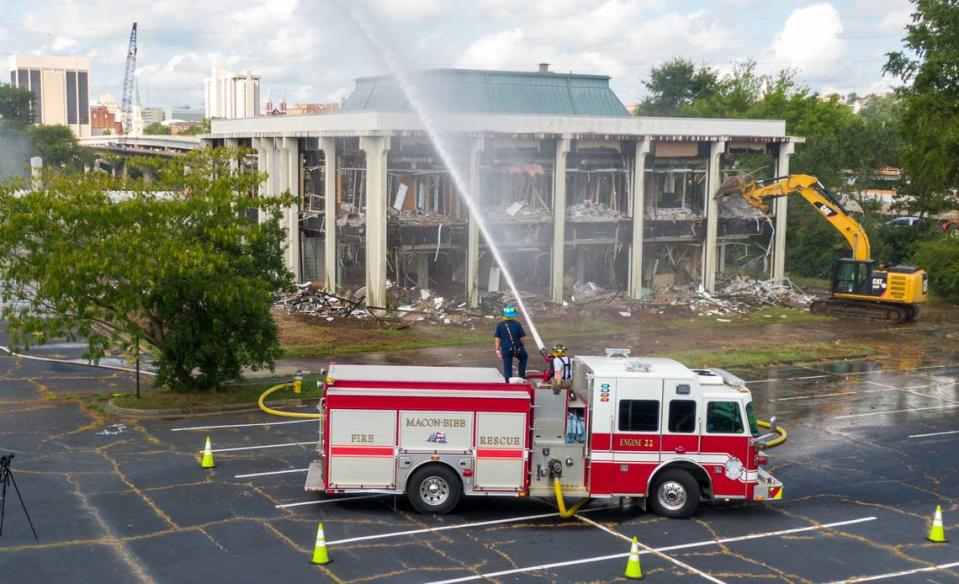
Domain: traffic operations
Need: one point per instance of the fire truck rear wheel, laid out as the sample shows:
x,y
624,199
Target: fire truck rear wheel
x,y
434,489
675,494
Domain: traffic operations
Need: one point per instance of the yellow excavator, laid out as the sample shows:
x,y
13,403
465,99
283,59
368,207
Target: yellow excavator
x,y
859,289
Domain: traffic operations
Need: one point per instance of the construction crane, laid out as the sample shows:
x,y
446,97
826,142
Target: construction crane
x,y
859,290
126,102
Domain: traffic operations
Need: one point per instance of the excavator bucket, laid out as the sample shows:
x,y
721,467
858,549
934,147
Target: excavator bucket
x,y
734,185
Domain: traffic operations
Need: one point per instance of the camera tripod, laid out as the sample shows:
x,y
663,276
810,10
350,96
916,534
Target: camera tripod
x,y
6,479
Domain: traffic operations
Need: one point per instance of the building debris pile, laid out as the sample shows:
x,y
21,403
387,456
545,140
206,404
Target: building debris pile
x,y
735,295
407,304
588,210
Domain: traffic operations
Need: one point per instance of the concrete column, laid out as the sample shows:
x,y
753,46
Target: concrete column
x,y
377,149
328,146
262,166
716,150
473,233
235,161
290,181
639,217
786,150
559,219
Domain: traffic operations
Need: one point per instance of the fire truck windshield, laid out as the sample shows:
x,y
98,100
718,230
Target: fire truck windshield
x,y
751,416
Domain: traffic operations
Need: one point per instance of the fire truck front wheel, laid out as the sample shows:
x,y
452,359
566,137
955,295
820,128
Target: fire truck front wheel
x,y
675,494
434,489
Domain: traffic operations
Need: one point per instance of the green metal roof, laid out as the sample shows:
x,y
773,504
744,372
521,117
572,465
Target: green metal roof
x,y
493,92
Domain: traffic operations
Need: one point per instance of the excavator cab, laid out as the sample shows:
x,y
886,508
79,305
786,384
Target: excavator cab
x,y
856,277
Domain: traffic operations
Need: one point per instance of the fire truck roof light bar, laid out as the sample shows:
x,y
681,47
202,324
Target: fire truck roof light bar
x,y
618,353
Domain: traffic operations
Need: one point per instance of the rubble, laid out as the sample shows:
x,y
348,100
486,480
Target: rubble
x,y
588,210
734,295
673,214
765,292
408,304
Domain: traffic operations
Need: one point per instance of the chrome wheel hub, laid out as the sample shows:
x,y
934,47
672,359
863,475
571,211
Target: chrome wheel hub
x,y
434,491
672,495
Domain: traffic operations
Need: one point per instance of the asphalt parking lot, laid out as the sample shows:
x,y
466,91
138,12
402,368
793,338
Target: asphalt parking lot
x,y
871,453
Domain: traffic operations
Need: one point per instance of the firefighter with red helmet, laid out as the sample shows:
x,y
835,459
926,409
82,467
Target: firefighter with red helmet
x,y
508,342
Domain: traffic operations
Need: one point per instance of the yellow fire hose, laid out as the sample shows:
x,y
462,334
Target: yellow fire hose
x,y
269,410
563,511
778,429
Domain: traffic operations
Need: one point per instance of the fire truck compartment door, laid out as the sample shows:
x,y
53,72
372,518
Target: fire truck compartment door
x,y
362,448
636,434
500,451
681,416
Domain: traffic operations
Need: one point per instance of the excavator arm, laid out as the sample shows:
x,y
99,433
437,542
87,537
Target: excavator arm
x,y
756,194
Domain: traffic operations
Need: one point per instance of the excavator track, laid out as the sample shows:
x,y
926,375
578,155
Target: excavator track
x,y
894,313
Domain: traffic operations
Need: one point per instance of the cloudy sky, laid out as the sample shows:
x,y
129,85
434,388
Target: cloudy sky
x,y
307,50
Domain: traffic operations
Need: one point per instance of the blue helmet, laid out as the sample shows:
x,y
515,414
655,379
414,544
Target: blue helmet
x,y
509,311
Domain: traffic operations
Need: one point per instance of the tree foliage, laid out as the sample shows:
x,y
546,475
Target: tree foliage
x,y
175,265
156,129
929,69
675,85
15,104
940,258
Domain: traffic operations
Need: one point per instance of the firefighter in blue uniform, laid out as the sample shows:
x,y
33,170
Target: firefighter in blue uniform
x,y
508,341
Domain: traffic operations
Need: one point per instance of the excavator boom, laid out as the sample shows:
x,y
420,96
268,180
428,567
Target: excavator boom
x,y
757,193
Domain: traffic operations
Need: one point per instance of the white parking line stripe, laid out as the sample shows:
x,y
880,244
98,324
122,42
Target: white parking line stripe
x,y
912,390
771,379
847,416
264,474
814,396
934,434
242,425
324,501
263,446
651,550
897,574
705,543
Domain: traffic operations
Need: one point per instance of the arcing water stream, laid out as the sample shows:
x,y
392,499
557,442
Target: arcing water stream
x,y
412,96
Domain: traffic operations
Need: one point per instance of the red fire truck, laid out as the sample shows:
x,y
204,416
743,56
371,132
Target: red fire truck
x,y
648,428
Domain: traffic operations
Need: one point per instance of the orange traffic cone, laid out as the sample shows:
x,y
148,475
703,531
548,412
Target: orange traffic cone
x,y
634,570
319,550
937,533
207,461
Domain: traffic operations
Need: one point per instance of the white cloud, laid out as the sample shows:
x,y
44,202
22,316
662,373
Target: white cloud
x,y
811,39
410,10
63,43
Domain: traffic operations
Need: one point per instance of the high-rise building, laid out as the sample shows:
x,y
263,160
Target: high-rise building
x,y
60,86
231,96
152,115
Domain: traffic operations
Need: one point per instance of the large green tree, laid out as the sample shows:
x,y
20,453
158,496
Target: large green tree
x,y
15,104
175,265
929,70
675,85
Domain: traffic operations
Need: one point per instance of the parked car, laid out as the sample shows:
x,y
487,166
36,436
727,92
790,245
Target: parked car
x,y
917,222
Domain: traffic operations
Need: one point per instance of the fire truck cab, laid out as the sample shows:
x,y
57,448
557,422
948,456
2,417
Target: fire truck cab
x,y
648,428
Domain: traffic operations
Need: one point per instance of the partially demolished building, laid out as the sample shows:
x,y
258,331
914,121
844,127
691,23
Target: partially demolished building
x,y
575,191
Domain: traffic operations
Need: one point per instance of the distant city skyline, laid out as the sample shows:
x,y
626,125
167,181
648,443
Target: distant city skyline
x,y
308,52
